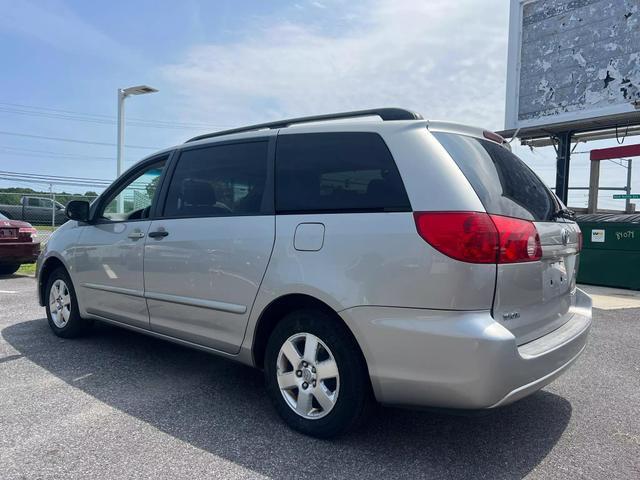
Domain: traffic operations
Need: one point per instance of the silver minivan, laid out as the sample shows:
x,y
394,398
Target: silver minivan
x,y
353,257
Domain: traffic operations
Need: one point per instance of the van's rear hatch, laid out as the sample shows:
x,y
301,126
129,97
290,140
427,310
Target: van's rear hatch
x,y
531,298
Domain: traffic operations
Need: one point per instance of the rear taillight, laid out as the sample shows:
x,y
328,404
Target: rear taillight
x,y
580,240
467,236
478,237
27,232
519,240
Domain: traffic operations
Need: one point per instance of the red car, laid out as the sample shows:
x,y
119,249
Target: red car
x,y
18,245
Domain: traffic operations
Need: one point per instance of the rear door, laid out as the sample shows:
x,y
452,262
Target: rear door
x,y
205,258
531,298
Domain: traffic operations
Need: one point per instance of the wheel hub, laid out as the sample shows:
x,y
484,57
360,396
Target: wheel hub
x,y
307,375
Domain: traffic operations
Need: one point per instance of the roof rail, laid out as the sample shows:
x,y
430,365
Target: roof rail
x,y
386,114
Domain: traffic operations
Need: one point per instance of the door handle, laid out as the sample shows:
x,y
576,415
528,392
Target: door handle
x,y
135,235
159,234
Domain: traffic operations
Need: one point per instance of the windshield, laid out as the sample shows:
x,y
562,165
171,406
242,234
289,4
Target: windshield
x,y
504,183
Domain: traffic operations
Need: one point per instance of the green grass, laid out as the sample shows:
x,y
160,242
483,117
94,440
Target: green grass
x,y
27,269
47,228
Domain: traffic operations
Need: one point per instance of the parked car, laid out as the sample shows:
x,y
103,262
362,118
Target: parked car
x,y
412,262
18,245
38,210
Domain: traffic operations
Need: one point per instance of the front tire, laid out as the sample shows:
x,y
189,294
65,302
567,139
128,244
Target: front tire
x,y
316,375
62,309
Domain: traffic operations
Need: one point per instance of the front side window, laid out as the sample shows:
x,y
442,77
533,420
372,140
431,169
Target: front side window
x,y
133,200
337,172
219,180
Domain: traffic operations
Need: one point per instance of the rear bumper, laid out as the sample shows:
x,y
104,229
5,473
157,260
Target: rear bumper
x,y
460,359
23,252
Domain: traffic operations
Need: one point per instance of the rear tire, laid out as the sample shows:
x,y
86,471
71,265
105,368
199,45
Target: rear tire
x,y
63,313
316,375
9,269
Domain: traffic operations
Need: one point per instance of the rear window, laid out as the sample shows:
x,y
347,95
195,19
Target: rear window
x,y
337,172
503,182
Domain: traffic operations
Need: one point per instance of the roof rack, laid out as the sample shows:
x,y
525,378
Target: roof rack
x,y
386,114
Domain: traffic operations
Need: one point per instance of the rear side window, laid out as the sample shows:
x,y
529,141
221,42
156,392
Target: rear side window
x,y
503,182
219,180
337,172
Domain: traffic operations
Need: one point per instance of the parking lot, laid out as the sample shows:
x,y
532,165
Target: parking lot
x,y
118,404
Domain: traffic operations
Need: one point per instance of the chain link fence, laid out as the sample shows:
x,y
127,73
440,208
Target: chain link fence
x,y
45,211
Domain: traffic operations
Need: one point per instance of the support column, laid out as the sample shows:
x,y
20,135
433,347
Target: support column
x,y
594,183
562,166
627,207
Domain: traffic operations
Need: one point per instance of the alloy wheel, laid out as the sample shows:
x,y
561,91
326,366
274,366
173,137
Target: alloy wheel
x,y
308,376
60,303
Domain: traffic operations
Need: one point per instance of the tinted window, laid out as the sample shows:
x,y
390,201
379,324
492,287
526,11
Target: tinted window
x,y
503,182
328,172
133,200
219,180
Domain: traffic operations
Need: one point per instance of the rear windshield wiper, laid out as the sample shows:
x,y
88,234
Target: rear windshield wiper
x,y
563,213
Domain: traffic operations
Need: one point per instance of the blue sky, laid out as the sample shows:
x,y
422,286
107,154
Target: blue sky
x,y
221,64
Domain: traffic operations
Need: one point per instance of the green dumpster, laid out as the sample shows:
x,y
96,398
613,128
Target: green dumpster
x,y
611,250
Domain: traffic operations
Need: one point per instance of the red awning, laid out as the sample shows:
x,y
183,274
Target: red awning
x,y
616,152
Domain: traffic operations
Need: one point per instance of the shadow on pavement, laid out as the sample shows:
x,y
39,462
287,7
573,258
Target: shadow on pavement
x,y
221,407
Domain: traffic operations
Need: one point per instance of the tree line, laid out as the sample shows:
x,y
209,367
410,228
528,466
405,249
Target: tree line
x,y
12,196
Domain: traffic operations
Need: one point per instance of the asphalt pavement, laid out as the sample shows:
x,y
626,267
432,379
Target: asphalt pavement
x,y
117,404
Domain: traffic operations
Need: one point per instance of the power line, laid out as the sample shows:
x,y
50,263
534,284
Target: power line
x,y
53,177
71,140
91,120
47,112
59,182
66,180
55,156
48,152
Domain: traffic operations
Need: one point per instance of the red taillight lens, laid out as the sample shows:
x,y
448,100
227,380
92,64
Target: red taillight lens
x,y
519,240
467,236
28,232
477,237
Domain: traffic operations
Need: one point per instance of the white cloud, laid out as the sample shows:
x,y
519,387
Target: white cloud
x,y
444,59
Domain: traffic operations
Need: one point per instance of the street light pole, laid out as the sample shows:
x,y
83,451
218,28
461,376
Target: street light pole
x,y
123,93
121,97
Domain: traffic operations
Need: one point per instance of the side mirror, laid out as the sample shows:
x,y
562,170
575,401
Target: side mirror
x,y
78,210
